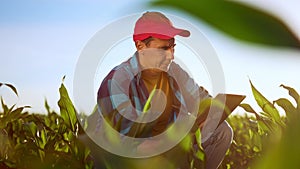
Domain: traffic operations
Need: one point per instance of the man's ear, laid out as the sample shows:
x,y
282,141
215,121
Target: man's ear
x,y
139,45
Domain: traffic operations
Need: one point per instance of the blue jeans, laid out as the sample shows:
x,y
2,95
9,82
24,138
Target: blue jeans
x,y
217,144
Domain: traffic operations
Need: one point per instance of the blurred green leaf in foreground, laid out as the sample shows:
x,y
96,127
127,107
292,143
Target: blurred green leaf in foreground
x,y
238,20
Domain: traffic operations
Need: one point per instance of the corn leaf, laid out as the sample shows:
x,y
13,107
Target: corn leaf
x,y
288,107
248,108
67,109
266,105
4,107
12,87
198,138
292,92
264,124
283,154
47,107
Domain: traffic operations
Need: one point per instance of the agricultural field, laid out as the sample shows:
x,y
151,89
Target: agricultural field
x,y
262,139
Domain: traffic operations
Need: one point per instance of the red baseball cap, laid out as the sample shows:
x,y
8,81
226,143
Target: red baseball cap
x,y
157,25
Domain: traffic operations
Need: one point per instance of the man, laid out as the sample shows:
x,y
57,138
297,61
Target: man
x,y
150,87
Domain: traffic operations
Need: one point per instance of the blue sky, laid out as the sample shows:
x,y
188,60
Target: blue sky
x,y
40,42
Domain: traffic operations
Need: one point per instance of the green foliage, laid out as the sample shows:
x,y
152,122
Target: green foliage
x,y
42,141
285,152
266,140
67,110
238,20
247,143
10,86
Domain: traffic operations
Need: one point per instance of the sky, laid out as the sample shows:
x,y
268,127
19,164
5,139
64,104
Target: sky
x,y
41,41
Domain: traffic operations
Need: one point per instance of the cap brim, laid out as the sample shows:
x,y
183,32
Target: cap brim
x,y
183,33
171,33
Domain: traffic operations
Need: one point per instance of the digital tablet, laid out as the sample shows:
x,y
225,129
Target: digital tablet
x,y
224,104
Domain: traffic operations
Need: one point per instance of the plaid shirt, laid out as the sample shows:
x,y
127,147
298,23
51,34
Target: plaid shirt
x,y
123,94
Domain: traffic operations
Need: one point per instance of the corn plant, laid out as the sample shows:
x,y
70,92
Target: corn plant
x,y
52,140
266,135
42,141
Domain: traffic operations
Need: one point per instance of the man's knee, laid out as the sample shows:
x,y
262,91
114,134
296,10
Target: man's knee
x,y
217,144
225,132
222,135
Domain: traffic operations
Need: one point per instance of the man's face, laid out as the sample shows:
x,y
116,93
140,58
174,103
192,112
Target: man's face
x,y
158,54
